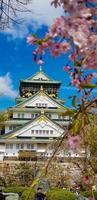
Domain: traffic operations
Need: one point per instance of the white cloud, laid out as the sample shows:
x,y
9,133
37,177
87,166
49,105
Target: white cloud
x,y
41,13
6,87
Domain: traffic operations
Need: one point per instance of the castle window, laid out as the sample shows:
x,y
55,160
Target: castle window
x,y
40,131
51,132
32,146
28,146
11,146
32,116
47,131
36,115
18,115
44,131
32,131
22,115
17,146
41,105
7,146
10,128
22,146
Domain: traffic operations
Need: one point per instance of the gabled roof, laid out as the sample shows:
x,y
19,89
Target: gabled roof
x,y
40,76
43,96
26,130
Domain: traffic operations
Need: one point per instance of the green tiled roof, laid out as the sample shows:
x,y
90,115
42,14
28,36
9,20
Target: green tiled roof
x,y
26,100
40,73
41,81
9,134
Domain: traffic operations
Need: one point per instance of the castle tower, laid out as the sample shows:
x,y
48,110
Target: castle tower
x,y
37,119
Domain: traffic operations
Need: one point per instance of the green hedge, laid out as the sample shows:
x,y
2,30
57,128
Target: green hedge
x,y
26,193
60,194
54,194
86,194
16,189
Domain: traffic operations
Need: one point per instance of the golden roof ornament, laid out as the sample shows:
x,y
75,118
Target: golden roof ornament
x,y
42,111
41,88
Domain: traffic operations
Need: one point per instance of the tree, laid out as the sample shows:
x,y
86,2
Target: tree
x,y
75,33
25,173
9,10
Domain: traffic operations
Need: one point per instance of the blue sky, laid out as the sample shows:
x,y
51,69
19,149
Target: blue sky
x,y
16,55
16,61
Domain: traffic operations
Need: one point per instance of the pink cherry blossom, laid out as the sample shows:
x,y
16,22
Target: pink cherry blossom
x,y
72,56
94,74
65,46
91,198
75,82
86,180
67,68
31,39
73,142
56,49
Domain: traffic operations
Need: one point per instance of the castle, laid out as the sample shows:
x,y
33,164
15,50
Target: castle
x,y
37,119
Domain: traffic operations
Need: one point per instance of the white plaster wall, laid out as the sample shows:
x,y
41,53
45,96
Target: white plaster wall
x,y
54,116
28,132
26,115
1,156
14,151
2,151
40,100
7,129
2,147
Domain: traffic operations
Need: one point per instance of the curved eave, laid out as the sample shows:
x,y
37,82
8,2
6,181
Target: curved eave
x,y
57,110
40,81
16,122
30,140
21,122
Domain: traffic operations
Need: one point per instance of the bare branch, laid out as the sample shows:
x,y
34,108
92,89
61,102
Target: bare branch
x,y
9,10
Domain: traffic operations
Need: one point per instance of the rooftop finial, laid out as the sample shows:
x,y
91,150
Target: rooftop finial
x,y
40,68
41,88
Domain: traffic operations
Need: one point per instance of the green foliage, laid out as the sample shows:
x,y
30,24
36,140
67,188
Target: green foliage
x,y
53,194
60,194
39,42
69,113
16,189
76,124
88,86
3,117
74,101
26,194
2,181
86,194
25,174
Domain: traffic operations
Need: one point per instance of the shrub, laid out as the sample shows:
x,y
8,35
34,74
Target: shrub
x,y
86,194
18,189
60,194
26,193
25,174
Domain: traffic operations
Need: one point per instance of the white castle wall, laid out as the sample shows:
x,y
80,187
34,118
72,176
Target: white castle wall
x,y
22,115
